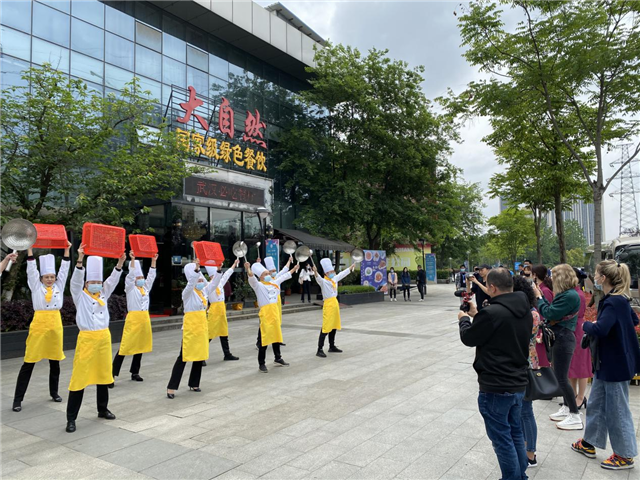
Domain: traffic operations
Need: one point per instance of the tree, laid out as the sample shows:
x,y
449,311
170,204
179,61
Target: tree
x,y
366,163
510,233
580,60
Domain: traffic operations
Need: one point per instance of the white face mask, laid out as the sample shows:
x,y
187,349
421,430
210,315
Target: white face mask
x,y
140,282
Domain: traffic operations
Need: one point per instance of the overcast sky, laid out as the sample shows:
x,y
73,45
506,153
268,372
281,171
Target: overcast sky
x,y
422,33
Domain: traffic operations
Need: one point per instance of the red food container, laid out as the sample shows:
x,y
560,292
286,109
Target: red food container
x,y
103,240
209,253
50,236
143,246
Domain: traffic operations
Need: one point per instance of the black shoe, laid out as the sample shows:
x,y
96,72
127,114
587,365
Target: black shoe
x,y
230,357
71,426
334,349
320,353
263,369
107,415
111,385
195,389
56,398
17,406
281,362
583,404
532,463
136,377
171,395
204,363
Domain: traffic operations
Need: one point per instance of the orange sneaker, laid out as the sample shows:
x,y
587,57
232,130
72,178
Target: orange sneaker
x,y
616,462
579,447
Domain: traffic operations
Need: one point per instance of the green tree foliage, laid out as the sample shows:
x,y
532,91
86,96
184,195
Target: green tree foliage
x,y
575,242
510,234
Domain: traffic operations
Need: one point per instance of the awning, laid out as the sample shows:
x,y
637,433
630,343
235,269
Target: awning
x,y
313,242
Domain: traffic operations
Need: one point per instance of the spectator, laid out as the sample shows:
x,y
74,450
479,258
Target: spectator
x,y
501,333
305,281
526,273
562,315
421,280
520,269
461,278
580,370
543,281
618,361
596,295
392,281
406,284
479,286
529,426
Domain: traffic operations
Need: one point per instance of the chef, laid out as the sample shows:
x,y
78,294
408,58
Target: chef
x,y
267,290
92,359
217,314
330,307
195,331
136,335
45,330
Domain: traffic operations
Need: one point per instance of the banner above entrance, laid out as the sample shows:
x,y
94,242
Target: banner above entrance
x,y
208,188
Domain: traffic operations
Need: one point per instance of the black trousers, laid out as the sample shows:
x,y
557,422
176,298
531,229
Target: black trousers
x,y
421,288
25,375
306,288
406,291
262,351
393,292
178,370
224,341
563,349
332,338
135,364
75,401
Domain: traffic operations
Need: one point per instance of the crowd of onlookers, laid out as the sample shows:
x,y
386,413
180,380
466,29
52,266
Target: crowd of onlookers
x,y
530,335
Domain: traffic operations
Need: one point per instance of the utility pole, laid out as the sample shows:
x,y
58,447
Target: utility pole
x,y
627,193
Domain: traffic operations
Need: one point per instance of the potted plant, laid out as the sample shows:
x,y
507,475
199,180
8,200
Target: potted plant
x,y
240,292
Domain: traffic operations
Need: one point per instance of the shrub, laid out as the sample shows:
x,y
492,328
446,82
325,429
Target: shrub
x,y
347,289
443,273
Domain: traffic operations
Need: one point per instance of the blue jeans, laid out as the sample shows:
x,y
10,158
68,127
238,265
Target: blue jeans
x,y
502,414
609,412
529,426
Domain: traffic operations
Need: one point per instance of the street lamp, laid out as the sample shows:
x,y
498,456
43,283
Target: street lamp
x,y
263,214
469,260
424,267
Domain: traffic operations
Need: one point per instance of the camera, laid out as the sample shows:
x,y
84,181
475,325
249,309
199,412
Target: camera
x,y
466,298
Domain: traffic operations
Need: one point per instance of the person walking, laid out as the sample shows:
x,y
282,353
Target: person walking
x,y
617,362
406,284
421,280
501,333
305,281
580,370
562,315
392,281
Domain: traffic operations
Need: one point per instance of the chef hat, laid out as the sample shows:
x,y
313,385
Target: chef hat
x,y
269,263
47,265
258,269
327,266
94,269
190,271
211,271
137,269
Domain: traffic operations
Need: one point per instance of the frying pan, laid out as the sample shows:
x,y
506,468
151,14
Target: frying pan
x,y
18,234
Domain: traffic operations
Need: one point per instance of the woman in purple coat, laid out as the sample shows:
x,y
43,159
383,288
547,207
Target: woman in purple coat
x,y
543,281
580,370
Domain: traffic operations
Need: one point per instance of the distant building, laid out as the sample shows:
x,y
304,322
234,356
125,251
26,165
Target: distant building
x,y
583,213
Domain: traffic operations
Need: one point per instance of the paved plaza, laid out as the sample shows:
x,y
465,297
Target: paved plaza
x,y
400,402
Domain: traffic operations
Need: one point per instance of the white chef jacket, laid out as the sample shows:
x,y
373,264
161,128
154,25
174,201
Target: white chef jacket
x,y
38,290
267,294
327,287
284,271
190,299
219,280
90,314
136,302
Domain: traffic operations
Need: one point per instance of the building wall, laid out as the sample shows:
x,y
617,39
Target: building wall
x,y
583,213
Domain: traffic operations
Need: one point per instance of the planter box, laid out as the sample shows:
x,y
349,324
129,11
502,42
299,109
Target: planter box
x,y
358,298
14,343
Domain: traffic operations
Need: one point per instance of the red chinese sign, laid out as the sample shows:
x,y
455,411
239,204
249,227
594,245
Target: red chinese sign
x,y
190,106
252,126
225,118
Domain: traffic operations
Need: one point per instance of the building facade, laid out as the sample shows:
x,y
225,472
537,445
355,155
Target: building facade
x,y
581,212
225,73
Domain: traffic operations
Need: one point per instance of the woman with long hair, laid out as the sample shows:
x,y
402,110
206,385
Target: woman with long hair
x,y
543,281
580,370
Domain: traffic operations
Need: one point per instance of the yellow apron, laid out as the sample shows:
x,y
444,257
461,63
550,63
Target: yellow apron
x,y
270,331
331,315
217,318
45,337
92,361
279,309
136,335
195,337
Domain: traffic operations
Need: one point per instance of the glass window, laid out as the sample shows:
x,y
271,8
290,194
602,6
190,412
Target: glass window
x,y
94,88
235,71
59,4
91,11
218,67
16,14
198,80
152,86
218,87
45,52
197,58
190,224
197,38
217,48
148,62
116,77
12,69
51,24
226,229
174,47
120,23
86,67
15,43
254,66
173,73
118,51
148,14
173,27
252,234
87,39
149,37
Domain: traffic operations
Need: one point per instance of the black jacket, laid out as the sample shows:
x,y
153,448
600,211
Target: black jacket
x,y
421,276
501,333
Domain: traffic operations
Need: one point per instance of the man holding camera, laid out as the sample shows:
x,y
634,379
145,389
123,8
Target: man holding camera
x,y
479,286
500,333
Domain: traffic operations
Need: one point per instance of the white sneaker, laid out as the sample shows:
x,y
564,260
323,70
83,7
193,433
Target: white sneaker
x,y
560,414
572,422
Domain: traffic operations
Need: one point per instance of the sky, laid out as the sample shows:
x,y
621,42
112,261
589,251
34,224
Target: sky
x,y
425,33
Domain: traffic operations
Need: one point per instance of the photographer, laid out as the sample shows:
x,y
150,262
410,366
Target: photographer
x,y
500,333
479,286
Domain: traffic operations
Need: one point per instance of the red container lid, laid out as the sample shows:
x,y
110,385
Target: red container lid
x,y
50,236
103,240
209,253
143,246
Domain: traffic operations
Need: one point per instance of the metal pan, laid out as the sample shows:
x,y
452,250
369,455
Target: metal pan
x,y
357,255
289,247
302,253
240,249
19,234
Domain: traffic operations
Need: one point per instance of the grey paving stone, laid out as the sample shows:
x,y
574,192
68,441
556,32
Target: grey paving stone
x,y
107,442
286,472
12,467
144,455
196,465
364,453
271,460
335,471
380,469
314,459
12,438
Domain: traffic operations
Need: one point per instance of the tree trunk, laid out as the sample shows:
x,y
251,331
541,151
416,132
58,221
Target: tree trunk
x,y
597,225
11,278
537,220
560,227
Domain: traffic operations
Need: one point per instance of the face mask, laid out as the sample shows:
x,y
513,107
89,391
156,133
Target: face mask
x,y
463,270
94,287
140,283
331,275
200,286
597,285
392,271
268,278
527,274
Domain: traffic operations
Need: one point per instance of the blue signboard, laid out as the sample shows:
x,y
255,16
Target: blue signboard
x,y
373,269
273,251
430,267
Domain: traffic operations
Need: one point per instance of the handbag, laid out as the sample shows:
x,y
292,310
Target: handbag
x,y
548,338
543,384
